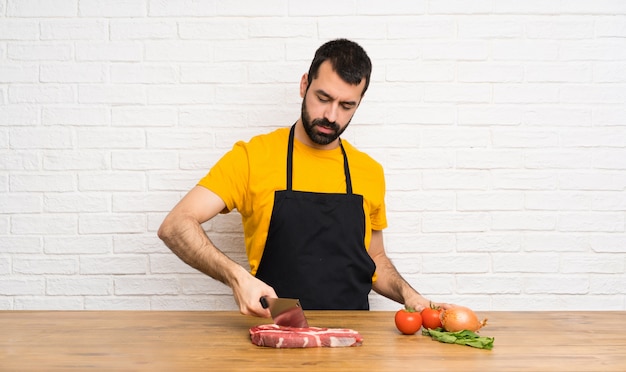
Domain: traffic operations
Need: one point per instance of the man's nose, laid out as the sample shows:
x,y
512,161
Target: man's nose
x,y
331,112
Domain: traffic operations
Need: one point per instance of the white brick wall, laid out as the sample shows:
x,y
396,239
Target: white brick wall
x,y
501,126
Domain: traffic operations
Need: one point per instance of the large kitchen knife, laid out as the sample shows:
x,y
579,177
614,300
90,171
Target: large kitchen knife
x,y
285,311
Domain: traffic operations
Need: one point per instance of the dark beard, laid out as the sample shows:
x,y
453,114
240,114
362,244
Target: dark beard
x,y
317,137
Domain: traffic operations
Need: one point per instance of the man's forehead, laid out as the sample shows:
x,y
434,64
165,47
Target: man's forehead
x,y
329,81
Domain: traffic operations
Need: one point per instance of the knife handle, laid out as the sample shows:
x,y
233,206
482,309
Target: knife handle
x,y
264,303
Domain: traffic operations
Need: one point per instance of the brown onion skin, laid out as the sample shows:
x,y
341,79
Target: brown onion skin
x,y
460,318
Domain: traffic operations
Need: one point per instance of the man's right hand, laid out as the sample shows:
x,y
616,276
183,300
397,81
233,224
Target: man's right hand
x,y
247,291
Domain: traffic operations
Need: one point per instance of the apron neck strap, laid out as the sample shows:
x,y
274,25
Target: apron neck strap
x,y
346,168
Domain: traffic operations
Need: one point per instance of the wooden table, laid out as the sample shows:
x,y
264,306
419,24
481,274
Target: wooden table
x,y
219,341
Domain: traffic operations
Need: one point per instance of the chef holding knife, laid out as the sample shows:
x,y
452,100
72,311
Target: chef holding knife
x,y
312,205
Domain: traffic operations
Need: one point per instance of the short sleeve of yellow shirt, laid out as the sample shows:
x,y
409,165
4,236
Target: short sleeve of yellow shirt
x,y
247,176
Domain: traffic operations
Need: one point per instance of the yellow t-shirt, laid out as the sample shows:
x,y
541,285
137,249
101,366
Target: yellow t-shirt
x,y
247,177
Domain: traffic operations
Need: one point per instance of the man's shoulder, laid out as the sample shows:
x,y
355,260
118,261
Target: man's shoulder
x,y
358,155
275,135
269,139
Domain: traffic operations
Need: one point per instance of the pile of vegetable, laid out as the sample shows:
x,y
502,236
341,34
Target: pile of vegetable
x,y
468,338
456,325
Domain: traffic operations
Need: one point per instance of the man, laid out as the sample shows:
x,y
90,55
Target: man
x,y
312,205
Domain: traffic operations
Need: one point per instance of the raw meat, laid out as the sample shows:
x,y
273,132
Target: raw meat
x,y
272,335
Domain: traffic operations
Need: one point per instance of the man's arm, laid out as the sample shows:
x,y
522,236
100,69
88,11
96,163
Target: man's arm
x,y
182,232
389,282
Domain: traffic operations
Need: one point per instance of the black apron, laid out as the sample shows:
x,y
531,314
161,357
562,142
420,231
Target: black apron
x,y
315,248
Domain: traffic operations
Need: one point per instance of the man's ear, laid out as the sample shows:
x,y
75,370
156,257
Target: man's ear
x,y
304,84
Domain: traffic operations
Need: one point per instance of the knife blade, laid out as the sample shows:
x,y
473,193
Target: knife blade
x,y
286,312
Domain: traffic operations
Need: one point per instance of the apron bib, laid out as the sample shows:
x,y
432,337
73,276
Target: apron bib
x,y
315,247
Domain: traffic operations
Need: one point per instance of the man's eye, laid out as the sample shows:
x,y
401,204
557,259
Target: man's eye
x,y
323,99
347,107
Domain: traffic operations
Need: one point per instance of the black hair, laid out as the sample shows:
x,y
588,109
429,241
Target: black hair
x,y
348,59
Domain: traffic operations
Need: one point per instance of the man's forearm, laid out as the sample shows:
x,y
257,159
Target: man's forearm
x,y
390,283
186,238
393,286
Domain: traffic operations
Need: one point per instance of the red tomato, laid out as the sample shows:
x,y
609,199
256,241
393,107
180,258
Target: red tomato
x,y
408,321
431,318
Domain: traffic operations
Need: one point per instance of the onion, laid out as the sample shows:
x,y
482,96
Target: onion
x,y
459,318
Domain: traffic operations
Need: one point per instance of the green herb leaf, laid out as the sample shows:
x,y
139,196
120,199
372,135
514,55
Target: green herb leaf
x,y
467,338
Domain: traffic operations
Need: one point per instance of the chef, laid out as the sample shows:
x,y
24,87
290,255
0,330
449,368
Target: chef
x,y
312,205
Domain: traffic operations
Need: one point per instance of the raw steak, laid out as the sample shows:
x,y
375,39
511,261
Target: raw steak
x,y
272,335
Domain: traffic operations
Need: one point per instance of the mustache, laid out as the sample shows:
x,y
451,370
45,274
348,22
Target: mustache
x,y
326,123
